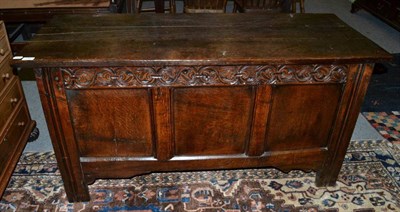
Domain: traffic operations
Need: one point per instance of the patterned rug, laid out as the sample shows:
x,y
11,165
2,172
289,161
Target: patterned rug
x,y
386,123
369,181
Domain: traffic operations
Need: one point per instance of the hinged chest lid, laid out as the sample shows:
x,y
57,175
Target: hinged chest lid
x,y
198,39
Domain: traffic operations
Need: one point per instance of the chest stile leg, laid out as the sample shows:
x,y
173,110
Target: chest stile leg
x,y
352,98
57,115
161,97
260,118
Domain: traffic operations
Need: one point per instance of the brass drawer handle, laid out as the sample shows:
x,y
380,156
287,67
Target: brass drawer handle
x,y
2,52
21,124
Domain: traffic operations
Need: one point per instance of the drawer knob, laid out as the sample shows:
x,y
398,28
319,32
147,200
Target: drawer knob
x,y
21,124
13,100
2,52
5,76
5,139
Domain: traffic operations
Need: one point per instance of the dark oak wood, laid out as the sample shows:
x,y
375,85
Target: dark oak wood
x,y
386,10
15,121
44,10
262,100
296,123
89,108
349,109
161,98
220,116
233,39
66,151
199,92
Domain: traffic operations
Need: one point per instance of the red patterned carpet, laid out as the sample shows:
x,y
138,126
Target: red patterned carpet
x,y
386,123
369,181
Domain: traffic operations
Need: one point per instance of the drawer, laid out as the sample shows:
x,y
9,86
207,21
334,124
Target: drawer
x,y
9,140
10,100
5,75
4,48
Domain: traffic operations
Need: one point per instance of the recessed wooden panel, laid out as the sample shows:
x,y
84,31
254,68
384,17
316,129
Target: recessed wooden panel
x,y
212,121
114,122
302,116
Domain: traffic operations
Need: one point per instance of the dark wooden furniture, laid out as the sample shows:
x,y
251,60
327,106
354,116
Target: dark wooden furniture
x,y
27,15
15,121
154,93
22,11
269,6
139,7
387,10
204,6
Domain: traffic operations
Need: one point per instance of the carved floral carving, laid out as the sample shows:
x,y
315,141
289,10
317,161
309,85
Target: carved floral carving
x,y
75,78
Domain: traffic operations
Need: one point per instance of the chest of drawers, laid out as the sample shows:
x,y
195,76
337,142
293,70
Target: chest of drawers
x,y
126,95
15,121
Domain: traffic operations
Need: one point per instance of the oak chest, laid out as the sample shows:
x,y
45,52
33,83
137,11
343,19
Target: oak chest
x,y
132,94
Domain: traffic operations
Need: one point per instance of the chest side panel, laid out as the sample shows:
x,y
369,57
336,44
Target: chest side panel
x,y
112,122
302,116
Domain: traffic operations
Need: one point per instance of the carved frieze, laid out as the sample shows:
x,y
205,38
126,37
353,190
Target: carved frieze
x,y
76,78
